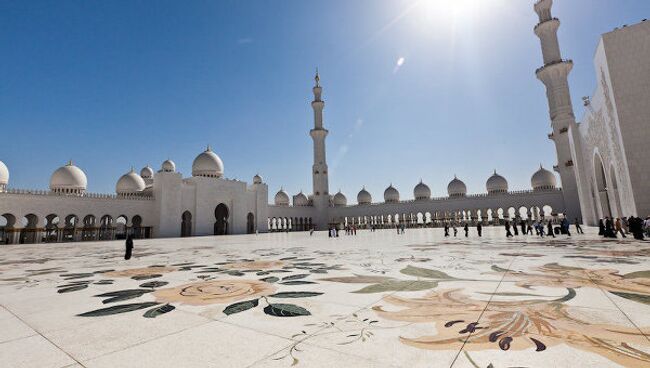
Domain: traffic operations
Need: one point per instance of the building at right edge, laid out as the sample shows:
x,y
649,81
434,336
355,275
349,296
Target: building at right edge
x,y
603,161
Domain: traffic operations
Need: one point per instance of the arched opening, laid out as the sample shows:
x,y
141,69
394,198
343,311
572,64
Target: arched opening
x,y
70,228
7,223
52,228
250,223
136,227
601,186
29,231
221,216
615,194
89,228
106,228
120,227
186,224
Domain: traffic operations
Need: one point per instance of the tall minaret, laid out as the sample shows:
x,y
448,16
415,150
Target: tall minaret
x,y
554,74
319,170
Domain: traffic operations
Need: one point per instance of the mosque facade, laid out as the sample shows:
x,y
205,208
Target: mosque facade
x,y
601,165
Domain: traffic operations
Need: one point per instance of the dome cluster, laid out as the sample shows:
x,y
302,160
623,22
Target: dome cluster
x,y
495,184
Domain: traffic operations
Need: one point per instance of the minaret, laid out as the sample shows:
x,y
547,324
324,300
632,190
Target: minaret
x,y
554,74
319,169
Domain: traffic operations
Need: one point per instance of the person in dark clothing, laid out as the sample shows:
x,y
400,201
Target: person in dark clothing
x,y
515,228
508,233
601,227
578,228
549,229
636,227
609,228
446,230
455,231
479,229
523,227
129,247
466,228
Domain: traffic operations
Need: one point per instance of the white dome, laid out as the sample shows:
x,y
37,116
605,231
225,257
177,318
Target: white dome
x,y
146,172
364,197
456,188
340,199
543,179
391,194
257,179
168,166
130,183
300,199
421,191
281,198
68,179
207,164
4,174
496,184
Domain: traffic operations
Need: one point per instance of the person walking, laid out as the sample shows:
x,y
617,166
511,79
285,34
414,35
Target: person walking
x,y
129,247
515,228
508,233
523,227
466,228
455,230
601,227
479,229
549,229
618,228
609,228
565,226
578,228
446,230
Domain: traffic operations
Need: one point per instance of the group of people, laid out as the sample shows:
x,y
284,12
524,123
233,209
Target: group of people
x,y
542,228
479,229
611,227
349,230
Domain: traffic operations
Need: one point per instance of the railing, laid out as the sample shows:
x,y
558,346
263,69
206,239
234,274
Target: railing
x,y
553,63
41,192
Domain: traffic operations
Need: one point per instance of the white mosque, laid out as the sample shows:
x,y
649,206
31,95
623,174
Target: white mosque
x,y
601,165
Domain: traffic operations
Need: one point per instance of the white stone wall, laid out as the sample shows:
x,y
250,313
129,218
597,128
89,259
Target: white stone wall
x,y
615,128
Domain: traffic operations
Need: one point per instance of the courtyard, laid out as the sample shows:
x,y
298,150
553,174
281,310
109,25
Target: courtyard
x,y
377,299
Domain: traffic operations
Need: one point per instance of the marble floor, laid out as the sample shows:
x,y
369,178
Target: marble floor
x,y
377,299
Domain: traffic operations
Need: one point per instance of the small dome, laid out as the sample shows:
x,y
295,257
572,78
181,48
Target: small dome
x,y
130,183
281,198
543,179
146,172
168,166
456,188
300,199
340,199
68,179
207,164
391,194
421,191
496,184
257,179
364,197
4,174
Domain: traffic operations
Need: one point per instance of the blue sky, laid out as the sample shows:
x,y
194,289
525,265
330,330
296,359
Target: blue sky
x,y
115,84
